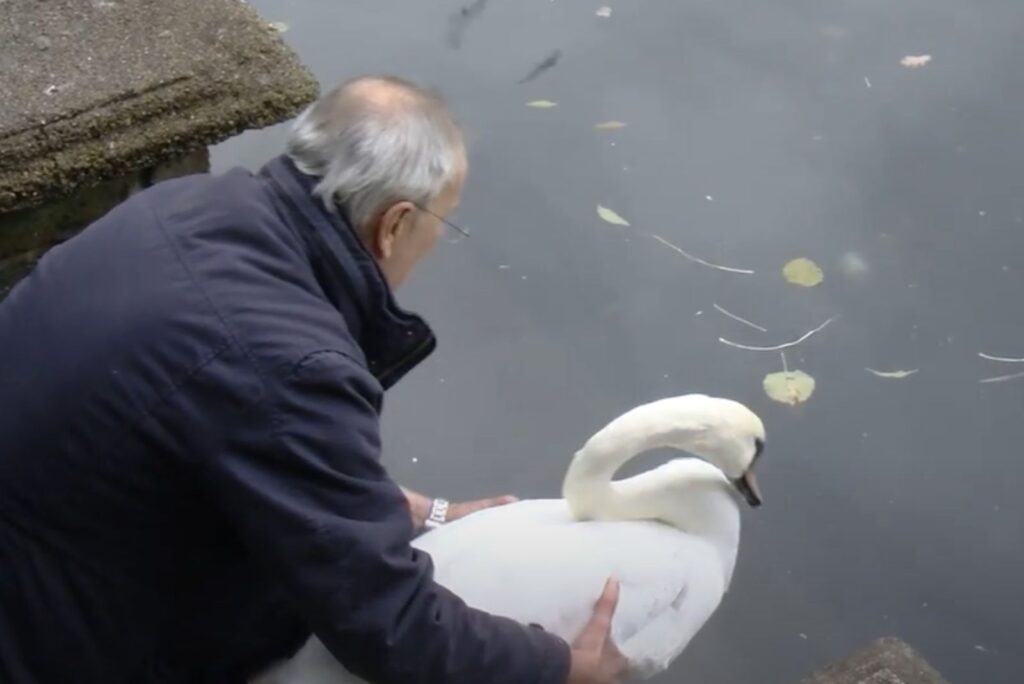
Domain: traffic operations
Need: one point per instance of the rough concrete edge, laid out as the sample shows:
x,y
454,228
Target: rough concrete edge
x,y
188,114
214,120
869,655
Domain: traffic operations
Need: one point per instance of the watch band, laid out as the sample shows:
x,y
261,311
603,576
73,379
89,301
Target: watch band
x,y
438,513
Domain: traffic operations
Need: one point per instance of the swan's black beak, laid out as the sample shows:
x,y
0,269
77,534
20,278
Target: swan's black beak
x,y
748,487
746,483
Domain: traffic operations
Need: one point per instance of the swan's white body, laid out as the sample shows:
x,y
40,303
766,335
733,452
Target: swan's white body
x,y
669,535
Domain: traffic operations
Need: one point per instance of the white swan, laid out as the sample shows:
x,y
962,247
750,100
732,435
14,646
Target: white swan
x,y
670,535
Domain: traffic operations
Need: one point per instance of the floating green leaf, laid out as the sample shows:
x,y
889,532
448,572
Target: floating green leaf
x,y
611,216
541,104
803,271
895,375
610,125
789,387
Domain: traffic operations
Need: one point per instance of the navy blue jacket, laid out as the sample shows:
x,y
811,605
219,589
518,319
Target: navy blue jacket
x,y
190,476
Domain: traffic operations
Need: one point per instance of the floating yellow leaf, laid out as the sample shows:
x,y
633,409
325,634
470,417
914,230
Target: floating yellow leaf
x,y
610,125
542,104
278,26
803,271
896,375
611,216
915,61
789,387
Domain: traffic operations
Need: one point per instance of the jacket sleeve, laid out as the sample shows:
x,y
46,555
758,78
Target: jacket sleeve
x,y
314,503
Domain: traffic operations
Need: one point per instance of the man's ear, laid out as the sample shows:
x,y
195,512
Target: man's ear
x,y
388,228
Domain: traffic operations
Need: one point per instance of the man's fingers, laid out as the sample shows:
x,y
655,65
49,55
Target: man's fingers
x,y
461,510
595,634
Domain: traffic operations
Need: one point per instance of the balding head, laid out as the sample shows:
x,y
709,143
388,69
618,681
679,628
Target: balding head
x,y
374,141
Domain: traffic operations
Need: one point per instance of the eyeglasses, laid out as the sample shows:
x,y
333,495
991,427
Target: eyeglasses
x,y
462,233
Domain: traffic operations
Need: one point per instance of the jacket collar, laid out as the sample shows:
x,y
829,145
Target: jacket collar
x,y
392,339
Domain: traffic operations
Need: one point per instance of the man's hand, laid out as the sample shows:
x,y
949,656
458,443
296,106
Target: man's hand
x,y
419,506
595,659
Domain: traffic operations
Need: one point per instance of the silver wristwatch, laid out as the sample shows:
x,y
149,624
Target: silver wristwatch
x,y
438,513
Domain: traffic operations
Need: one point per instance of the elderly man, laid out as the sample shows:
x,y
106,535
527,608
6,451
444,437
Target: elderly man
x,y
190,476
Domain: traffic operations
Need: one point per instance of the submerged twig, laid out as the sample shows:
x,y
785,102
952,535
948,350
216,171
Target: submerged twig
x,y
460,21
1003,378
698,260
1001,359
734,317
777,347
548,62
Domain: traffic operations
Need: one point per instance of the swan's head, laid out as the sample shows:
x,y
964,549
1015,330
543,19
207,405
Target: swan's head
x,y
727,434
723,432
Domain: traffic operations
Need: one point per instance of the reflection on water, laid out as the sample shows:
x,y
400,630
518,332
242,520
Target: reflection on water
x,y
755,133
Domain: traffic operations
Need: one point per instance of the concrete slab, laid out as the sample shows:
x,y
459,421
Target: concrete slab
x,y
97,89
886,661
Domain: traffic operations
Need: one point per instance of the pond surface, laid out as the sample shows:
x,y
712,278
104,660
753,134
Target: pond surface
x,y
757,133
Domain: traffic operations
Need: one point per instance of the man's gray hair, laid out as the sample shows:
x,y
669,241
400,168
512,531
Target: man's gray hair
x,y
374,141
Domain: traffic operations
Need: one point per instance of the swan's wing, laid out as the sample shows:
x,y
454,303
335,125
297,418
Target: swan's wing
x,y
531,562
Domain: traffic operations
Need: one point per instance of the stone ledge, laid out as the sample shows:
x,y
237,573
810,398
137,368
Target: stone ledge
x,y
98,89
886,661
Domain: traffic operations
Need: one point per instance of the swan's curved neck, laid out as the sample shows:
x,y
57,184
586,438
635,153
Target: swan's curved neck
x,y
674,495
588,483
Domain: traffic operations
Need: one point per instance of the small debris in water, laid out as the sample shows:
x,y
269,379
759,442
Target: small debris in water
x,y
610,216
802,271
867,81
915,61
1003,378
777,347
734,317
1001,359
709,198
803,636
503,267
896,375
790,387
541,104
278,26
609,125
698,260
415,460
604,12
548,62
42,42
980,648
